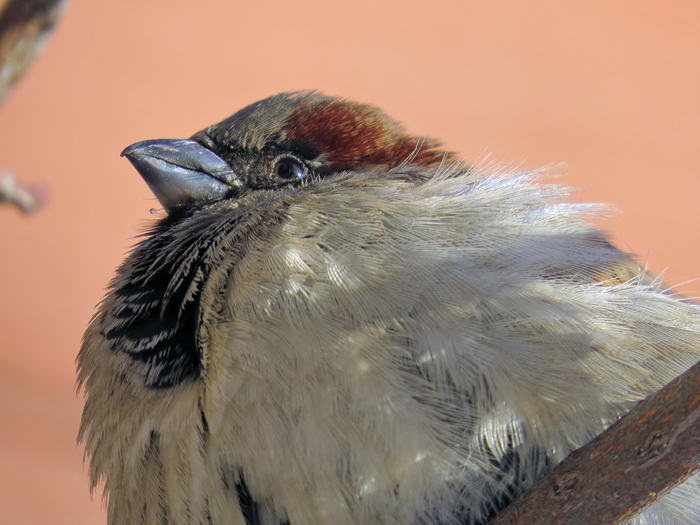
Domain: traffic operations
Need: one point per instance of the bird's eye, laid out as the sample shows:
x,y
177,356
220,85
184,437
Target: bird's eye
x,y
289,168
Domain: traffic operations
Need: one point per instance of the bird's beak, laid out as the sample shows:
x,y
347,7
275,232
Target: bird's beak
x,y
182,171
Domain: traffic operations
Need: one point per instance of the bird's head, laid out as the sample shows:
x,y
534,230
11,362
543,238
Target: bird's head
x,y
228,190
290,138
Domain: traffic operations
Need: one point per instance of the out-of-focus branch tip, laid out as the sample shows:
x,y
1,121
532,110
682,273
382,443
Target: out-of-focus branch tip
x,y
28,198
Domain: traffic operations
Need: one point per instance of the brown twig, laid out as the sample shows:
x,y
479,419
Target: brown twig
x,y
617,475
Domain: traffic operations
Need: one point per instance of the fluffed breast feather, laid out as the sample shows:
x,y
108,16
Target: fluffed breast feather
x,y
398,348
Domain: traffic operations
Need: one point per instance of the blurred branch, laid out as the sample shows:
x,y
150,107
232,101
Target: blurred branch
x,y
24,27
26,198
625,469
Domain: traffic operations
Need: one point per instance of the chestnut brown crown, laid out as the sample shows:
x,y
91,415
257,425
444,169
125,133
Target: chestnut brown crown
x,y
284,139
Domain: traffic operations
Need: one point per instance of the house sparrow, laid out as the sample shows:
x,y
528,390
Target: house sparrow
x,y
339,323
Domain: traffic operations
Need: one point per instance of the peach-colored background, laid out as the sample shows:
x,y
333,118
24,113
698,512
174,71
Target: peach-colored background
x,y
610,88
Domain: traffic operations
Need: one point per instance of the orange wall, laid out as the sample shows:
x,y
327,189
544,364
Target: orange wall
x,y
610,88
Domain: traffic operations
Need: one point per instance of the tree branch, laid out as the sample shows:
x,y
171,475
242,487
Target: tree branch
x,y
614,477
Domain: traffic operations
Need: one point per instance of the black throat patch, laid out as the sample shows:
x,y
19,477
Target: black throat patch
x,y
154,312
156,315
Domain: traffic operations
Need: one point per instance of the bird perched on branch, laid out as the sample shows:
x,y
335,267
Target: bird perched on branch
x,y
339,323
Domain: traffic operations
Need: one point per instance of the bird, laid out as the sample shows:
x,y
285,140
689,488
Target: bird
x,y
334,321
